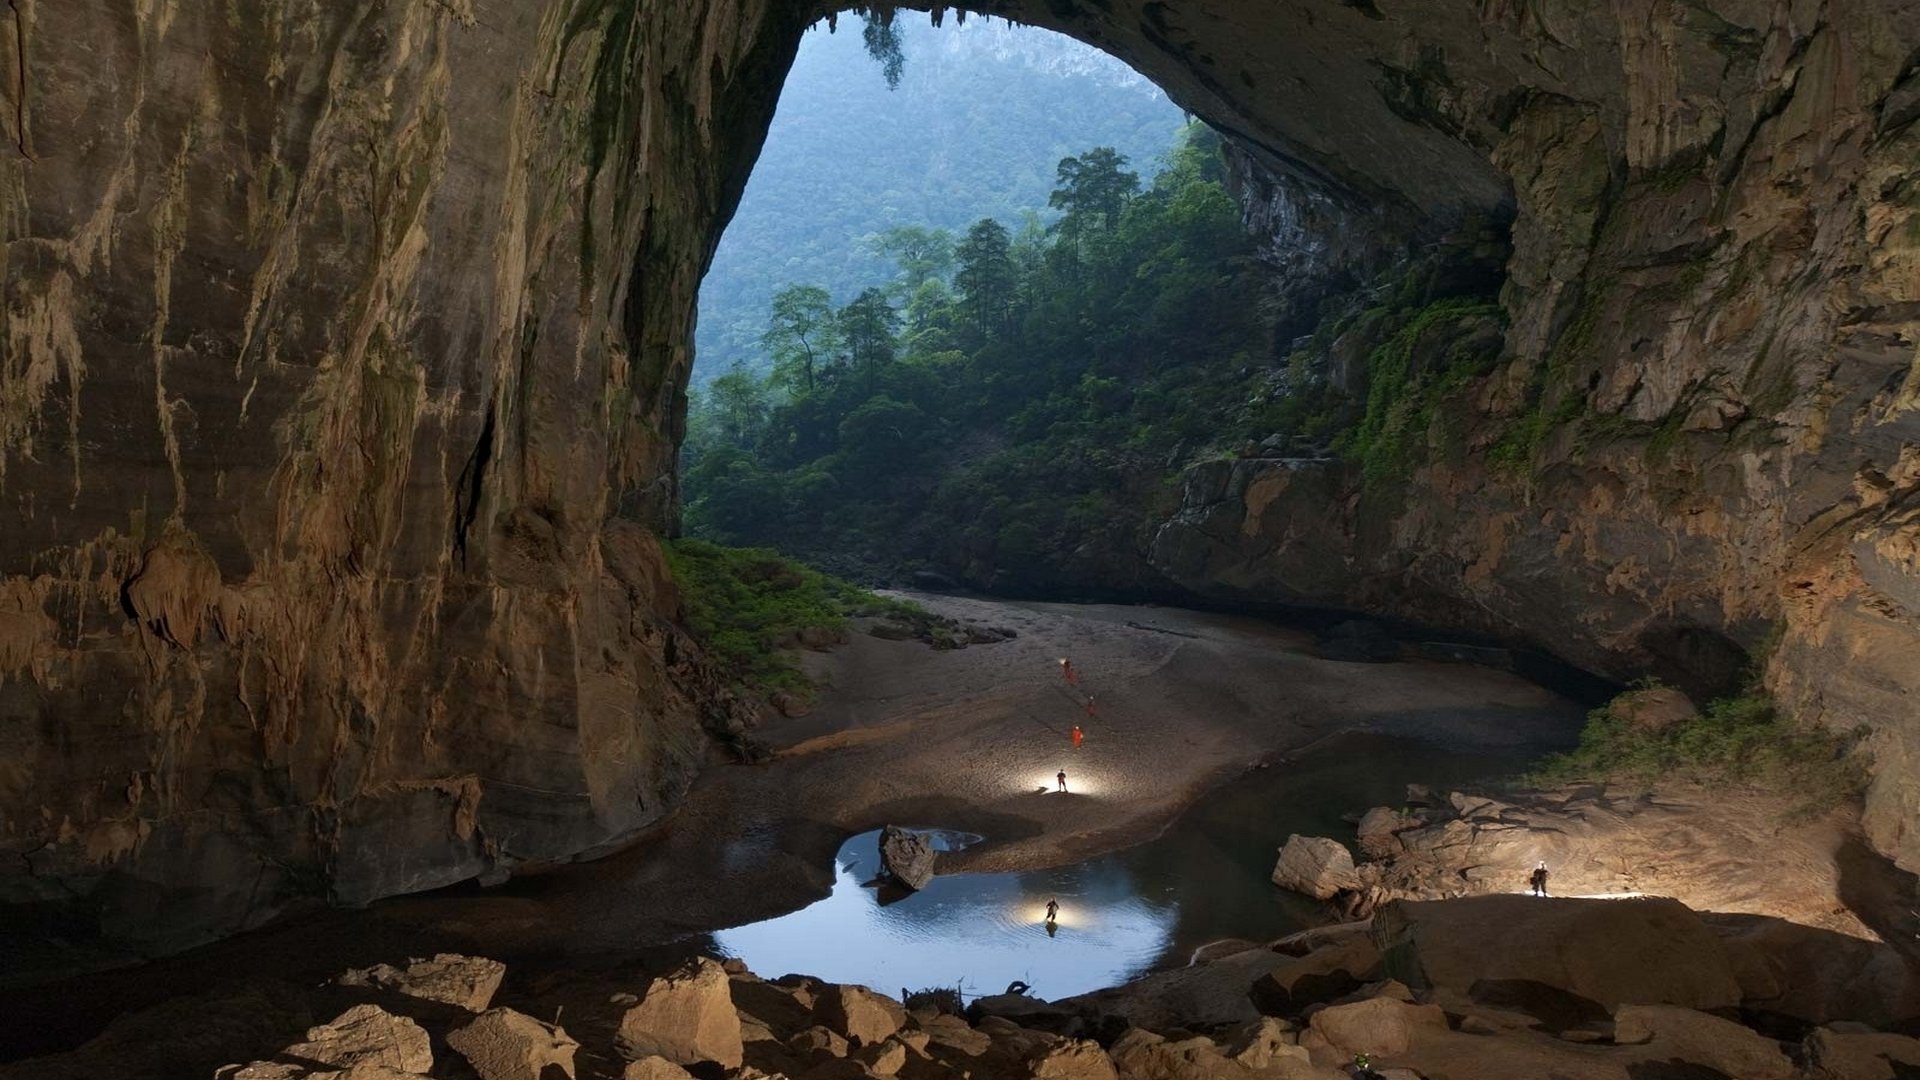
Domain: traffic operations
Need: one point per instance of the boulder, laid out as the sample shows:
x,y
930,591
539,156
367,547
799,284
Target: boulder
x,y
884,1058
686,1017
366,1035
1315,865
858,1013
818,1042
956,1035
1074,1059
1655,708
502,1044
1261,1044
1340,966
1143,1055
1381,1026
1612,952
654,1068
1834,1055
282,1070
1377,831
906,856
1675,1034
468,982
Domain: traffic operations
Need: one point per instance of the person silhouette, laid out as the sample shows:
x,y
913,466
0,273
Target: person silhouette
x,y
1053,911
1062,777
1537,880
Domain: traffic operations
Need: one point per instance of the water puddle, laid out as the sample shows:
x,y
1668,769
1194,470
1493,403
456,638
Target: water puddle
x,y
1121,914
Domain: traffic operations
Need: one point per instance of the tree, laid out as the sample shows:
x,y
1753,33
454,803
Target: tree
x,y
869,326
922,254
737,404
986,276
1093,186
801,328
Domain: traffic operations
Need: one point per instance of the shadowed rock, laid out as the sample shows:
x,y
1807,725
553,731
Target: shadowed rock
x,y
907,856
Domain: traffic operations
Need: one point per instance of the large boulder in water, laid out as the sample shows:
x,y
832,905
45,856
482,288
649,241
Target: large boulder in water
x,y
906,856
1316,866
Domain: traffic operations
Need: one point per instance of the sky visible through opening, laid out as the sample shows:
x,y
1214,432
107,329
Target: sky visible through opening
x,y
979,122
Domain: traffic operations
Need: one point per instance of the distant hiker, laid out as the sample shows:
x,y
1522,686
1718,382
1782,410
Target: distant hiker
x,y
1066,668
1077,735
1053,910
1538,880
1063,781
1091,712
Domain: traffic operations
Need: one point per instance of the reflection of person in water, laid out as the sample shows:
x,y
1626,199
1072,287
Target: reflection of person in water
x,y
1052,928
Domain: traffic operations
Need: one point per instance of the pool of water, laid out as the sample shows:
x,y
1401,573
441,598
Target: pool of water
x,y
1121,914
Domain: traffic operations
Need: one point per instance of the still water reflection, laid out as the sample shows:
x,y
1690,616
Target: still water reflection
x,y
1121,914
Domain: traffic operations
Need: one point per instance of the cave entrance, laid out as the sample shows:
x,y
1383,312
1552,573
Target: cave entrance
x,y
959,323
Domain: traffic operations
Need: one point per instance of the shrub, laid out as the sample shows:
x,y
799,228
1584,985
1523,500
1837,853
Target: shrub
x,y
1735,742
749,606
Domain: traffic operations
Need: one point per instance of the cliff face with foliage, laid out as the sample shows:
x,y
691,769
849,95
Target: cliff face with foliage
x,y
343,348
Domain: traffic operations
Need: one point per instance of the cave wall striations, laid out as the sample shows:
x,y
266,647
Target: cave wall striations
x,y
344,342
337,418
1713,298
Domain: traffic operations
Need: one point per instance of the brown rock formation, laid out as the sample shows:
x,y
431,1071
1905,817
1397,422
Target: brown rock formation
x,y
342,349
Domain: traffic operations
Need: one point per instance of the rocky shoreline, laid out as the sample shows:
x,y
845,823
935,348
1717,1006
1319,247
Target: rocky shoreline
x,y
1512,986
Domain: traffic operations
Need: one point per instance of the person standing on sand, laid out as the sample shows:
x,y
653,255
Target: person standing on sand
x,y
1066,668
1091,711
1538,879
1063,781
1077,735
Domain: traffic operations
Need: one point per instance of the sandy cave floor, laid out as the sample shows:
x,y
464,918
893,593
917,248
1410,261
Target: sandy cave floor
x,y
906,734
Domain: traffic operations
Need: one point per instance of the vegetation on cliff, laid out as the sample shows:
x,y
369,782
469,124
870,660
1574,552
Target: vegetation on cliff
x,y
1734,742
749,608
994,412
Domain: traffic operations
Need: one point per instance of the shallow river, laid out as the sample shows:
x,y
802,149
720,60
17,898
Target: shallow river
x,y
1122,914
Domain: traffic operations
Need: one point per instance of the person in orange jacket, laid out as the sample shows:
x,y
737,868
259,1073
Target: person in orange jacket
x,y
1066,668
1077,735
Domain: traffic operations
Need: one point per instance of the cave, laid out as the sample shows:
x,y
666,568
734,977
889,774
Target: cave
x,y
345,349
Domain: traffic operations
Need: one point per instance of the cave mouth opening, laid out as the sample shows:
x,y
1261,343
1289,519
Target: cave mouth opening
x,y
945,330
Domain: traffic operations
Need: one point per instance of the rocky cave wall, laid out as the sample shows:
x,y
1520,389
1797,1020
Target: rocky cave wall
x,y
340,383
344,343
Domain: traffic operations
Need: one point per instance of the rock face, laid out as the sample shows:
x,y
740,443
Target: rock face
x,y
343,350
906,856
